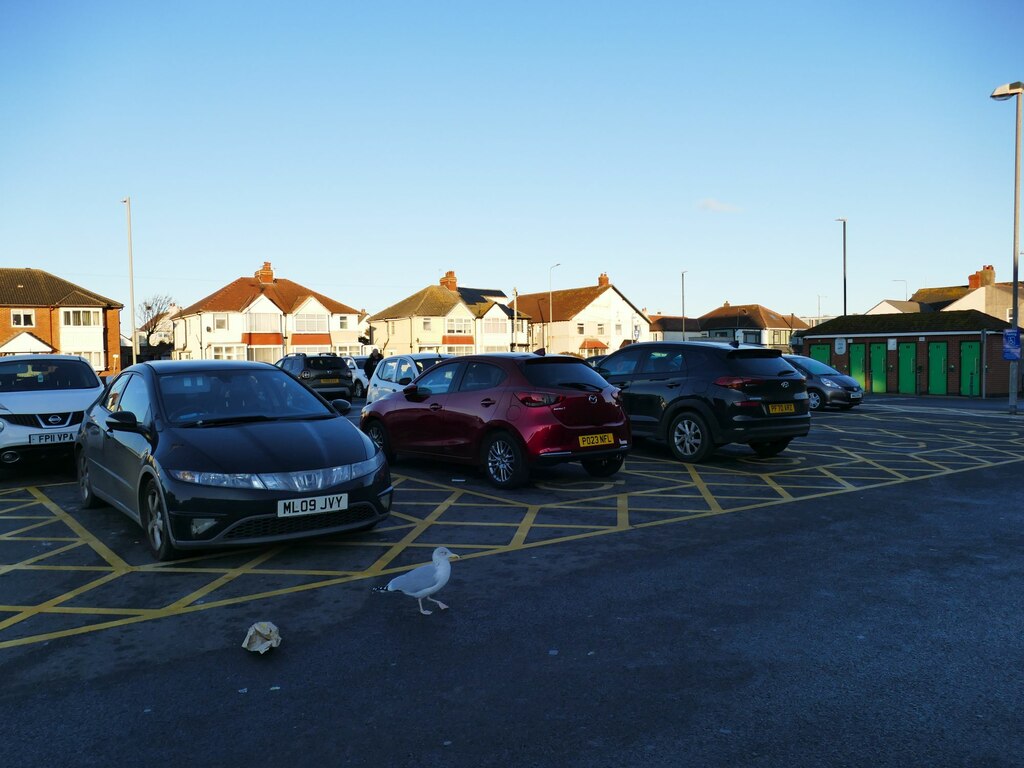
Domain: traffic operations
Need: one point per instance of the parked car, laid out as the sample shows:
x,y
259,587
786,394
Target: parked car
x,y
42,399
356,364
595,361
210,453
697,396
395,372
326,374
505,412
825,385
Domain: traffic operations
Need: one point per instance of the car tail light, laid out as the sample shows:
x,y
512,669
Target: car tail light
x,y
736,382
617,396
538,399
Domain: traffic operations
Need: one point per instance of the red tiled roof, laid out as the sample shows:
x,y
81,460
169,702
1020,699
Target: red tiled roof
x,y
565,304
749,316
593,344
284,294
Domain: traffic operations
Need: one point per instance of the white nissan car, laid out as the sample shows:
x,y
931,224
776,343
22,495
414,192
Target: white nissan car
x,y
42,398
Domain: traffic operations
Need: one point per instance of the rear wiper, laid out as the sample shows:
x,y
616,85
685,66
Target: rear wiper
x,y
585,386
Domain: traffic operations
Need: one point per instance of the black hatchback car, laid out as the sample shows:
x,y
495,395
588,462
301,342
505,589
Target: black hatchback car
x,y
209,453
326,374
696,396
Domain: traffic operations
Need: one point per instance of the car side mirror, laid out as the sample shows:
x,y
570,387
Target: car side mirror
x,y
410,389
404,381
341,406
125,421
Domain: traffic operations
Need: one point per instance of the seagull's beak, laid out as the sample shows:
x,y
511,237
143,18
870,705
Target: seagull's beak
x,y
453,556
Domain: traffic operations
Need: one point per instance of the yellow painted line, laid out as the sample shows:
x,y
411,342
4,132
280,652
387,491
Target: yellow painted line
x,y
52,539
525,525
101,549
58,568
6,513
87,611
226,578
413,533
13,535
622,512
37,609
32,560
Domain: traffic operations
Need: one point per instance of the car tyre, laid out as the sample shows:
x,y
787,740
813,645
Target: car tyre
x,y
689,438
606,466
769,448
358,389
156,523
815,401
87,498
504,462
377,432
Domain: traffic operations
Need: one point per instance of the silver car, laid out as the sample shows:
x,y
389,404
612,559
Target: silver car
x,y
392,374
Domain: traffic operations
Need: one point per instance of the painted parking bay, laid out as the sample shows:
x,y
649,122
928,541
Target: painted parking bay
x,y
66,571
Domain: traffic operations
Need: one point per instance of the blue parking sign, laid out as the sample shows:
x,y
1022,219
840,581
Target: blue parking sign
x,y
1011,344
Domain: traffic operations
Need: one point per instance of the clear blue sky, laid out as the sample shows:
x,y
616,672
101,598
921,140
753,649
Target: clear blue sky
x,y
365,148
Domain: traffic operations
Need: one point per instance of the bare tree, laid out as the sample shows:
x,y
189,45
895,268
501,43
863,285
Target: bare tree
x,y
152,312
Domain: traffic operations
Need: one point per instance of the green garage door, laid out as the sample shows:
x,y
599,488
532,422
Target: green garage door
x,y
877,370
821,353
938,361
970,368
907,381
857,364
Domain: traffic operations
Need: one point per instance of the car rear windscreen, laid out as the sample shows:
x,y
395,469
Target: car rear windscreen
x,y
756,362
547,372
325,363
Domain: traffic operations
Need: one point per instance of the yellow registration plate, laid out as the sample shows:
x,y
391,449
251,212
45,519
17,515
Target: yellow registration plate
x,y
781,408
330,381
588,441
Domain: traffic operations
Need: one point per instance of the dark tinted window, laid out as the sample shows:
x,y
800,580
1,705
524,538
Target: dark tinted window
x,y
135,398
192,397
481,376
547,372
113,397
422,365
437,381
44,375
622,363
816,367
669,360
324,363
759,363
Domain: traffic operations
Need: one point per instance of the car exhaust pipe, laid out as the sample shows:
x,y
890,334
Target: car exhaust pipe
x,y
10,457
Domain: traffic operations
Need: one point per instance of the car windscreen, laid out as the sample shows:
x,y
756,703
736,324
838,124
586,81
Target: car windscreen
x,y
565,372
324,363
816,367
422,365
759,362
214,395
46,375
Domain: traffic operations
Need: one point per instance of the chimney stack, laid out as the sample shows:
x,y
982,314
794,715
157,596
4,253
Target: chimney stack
x,y
449,281
265,274
602,280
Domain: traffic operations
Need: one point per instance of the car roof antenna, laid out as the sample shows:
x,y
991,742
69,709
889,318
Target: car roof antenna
x,y
541,351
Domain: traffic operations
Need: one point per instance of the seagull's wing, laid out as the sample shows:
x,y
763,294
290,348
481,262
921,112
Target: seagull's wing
x,y
414,581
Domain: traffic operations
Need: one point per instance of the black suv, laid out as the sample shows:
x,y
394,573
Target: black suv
x,y
326,374
697,396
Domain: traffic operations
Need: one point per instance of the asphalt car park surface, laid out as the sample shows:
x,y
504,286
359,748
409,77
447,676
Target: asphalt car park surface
x,y
854,600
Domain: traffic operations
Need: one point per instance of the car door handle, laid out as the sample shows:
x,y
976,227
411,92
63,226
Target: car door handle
x,y
672,386
435,406
487,402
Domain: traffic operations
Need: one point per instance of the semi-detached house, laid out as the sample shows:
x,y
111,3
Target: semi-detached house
x,y
263,318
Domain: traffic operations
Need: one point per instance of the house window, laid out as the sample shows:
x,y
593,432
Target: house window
x,y
220,321
308,323
264,354
264,322
459,325
81,317
343,322
228,352
579,328
495,325
391,327
23,318
459,349
618,329
426,324
312,350
95,359
600,329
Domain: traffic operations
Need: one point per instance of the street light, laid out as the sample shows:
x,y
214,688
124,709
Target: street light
x,y
131,281
739,312
551,304
683,276
1002,93
820,297
844,265
897,280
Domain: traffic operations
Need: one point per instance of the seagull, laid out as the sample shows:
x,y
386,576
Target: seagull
x,y
424,581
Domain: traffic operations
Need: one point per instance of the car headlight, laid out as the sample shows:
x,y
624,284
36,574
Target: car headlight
x,y
298,482
831,384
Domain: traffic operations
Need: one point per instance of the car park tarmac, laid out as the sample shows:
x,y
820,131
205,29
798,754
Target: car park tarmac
x,y
81,600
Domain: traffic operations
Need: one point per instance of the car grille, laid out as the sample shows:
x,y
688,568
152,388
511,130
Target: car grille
x,y
266,527
37,420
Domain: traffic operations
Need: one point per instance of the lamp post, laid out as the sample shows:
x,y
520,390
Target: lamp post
x,y
683,276
844,265
551,304
897,280
131,281
739,312
820,297
1002,93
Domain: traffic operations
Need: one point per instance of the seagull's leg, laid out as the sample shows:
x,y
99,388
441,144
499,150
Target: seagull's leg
x,y
420,601
440,605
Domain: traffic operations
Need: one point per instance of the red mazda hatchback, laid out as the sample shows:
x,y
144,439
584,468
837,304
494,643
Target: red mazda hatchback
x,y
505,412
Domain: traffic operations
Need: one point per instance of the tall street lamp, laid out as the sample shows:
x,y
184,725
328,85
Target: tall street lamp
x,y
551,304
131,281
844,265
820,297
1002,93
683,276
